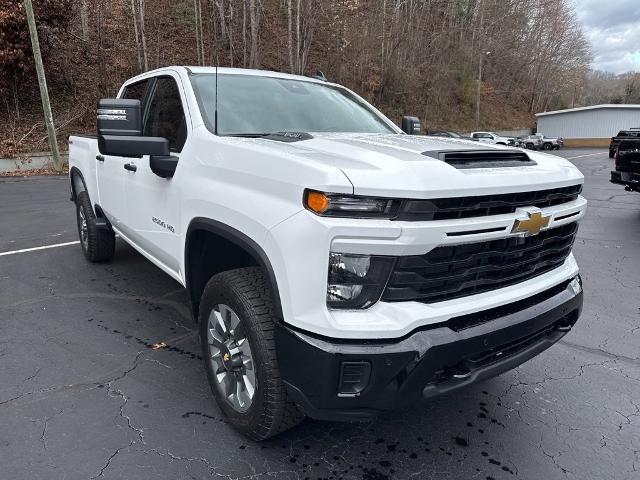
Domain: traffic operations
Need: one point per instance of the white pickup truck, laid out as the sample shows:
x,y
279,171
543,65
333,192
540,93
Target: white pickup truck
x,y
493,138
337,266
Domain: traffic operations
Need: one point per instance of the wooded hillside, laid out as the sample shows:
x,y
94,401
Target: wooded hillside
x,y
417,57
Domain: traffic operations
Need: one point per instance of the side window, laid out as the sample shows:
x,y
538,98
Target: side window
x,y
165,117
136,91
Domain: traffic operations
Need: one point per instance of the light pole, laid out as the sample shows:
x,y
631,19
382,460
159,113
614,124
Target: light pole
x,y
479,81
42,82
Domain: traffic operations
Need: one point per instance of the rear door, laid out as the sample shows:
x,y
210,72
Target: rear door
x,y
153,203
111,174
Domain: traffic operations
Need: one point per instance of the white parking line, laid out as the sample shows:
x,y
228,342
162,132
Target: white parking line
x,y
45,247
586,155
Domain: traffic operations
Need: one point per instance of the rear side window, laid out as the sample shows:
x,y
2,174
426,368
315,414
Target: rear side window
x,y
165,117
136,91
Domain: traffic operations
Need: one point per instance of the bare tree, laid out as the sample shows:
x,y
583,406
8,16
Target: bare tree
x,y
254,19
143,40
134,17
84,20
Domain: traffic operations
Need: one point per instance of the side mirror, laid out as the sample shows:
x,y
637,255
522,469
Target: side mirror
x,y
119,129
411,125
117,116
130,146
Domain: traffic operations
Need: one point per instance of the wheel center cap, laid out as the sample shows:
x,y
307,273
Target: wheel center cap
x,y
232,358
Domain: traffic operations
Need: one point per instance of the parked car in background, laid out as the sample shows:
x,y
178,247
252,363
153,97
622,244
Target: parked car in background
x,y
622,135
490,137
446,134
550,143
530,142
627,164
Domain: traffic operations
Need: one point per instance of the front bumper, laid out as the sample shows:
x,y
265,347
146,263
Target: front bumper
x,y
631,180
426,363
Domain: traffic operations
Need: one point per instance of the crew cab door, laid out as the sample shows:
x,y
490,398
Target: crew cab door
x,y
153,202
111,173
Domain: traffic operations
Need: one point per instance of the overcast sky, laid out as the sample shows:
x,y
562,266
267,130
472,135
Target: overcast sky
x,y
613,27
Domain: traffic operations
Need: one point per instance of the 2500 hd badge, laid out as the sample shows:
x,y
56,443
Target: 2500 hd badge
x,y
163,224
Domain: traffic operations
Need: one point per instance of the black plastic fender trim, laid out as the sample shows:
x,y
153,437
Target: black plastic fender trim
x,y
241,240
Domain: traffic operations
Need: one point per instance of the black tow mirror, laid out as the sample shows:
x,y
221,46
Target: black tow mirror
x,y
118,116
411,125
129,146
119,129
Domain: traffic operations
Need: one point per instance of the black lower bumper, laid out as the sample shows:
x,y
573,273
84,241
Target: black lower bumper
x,y
422,365
630,180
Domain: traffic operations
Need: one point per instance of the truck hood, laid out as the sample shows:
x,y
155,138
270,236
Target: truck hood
x,y
395,165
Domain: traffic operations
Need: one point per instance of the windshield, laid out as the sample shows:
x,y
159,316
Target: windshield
x,y
257,105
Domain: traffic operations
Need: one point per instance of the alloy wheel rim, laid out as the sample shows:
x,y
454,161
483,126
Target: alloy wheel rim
x,y
231,358
83,227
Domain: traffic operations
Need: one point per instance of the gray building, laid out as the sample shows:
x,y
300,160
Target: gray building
x,y
589,126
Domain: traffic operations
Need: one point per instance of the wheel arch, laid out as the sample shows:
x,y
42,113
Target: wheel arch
x,y
77,183
239,251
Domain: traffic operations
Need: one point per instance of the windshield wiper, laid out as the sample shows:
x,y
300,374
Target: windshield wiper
x,y
248,135
279,136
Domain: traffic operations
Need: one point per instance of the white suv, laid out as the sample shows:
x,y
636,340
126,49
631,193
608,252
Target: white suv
x,y
338,267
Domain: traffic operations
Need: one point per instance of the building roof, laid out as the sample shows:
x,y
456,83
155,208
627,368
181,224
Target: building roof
x,y
590,107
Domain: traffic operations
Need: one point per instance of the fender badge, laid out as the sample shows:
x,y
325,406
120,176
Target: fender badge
x,y
532,225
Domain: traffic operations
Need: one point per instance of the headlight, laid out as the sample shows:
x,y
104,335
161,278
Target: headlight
x,y
356,281
352,206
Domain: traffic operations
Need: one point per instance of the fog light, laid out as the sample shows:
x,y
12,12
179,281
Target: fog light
x,y
354,377
356,281
576,285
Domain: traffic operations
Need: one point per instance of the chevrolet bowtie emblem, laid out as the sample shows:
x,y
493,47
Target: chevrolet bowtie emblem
x,y
226,357
532,225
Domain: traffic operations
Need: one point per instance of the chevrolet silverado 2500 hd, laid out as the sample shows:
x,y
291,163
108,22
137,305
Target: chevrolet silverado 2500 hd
x,y
337,266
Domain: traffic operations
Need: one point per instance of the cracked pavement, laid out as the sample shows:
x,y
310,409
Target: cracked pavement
x,y
83,393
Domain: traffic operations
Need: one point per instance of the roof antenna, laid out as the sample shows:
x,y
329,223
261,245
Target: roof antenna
x,y
320,76
215,120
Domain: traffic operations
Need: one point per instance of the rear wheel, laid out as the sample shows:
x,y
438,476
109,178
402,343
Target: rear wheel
x,y
611,153
237,334
98,243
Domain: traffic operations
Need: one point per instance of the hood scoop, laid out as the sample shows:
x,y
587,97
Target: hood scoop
x,y
463,159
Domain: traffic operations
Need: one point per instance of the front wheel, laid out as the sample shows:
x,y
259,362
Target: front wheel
x,y
237,334
547,146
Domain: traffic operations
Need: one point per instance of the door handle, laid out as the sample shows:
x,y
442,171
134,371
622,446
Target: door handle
x,y
100,158
130,166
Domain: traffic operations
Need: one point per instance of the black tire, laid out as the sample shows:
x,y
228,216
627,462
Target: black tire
x,y
98,244
530,146
547,146
247,292
611,153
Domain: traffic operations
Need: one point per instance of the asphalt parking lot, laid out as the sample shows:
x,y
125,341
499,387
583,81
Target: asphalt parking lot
x,y
84,395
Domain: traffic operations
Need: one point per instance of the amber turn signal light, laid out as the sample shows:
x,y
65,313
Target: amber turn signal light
x,y
317,201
